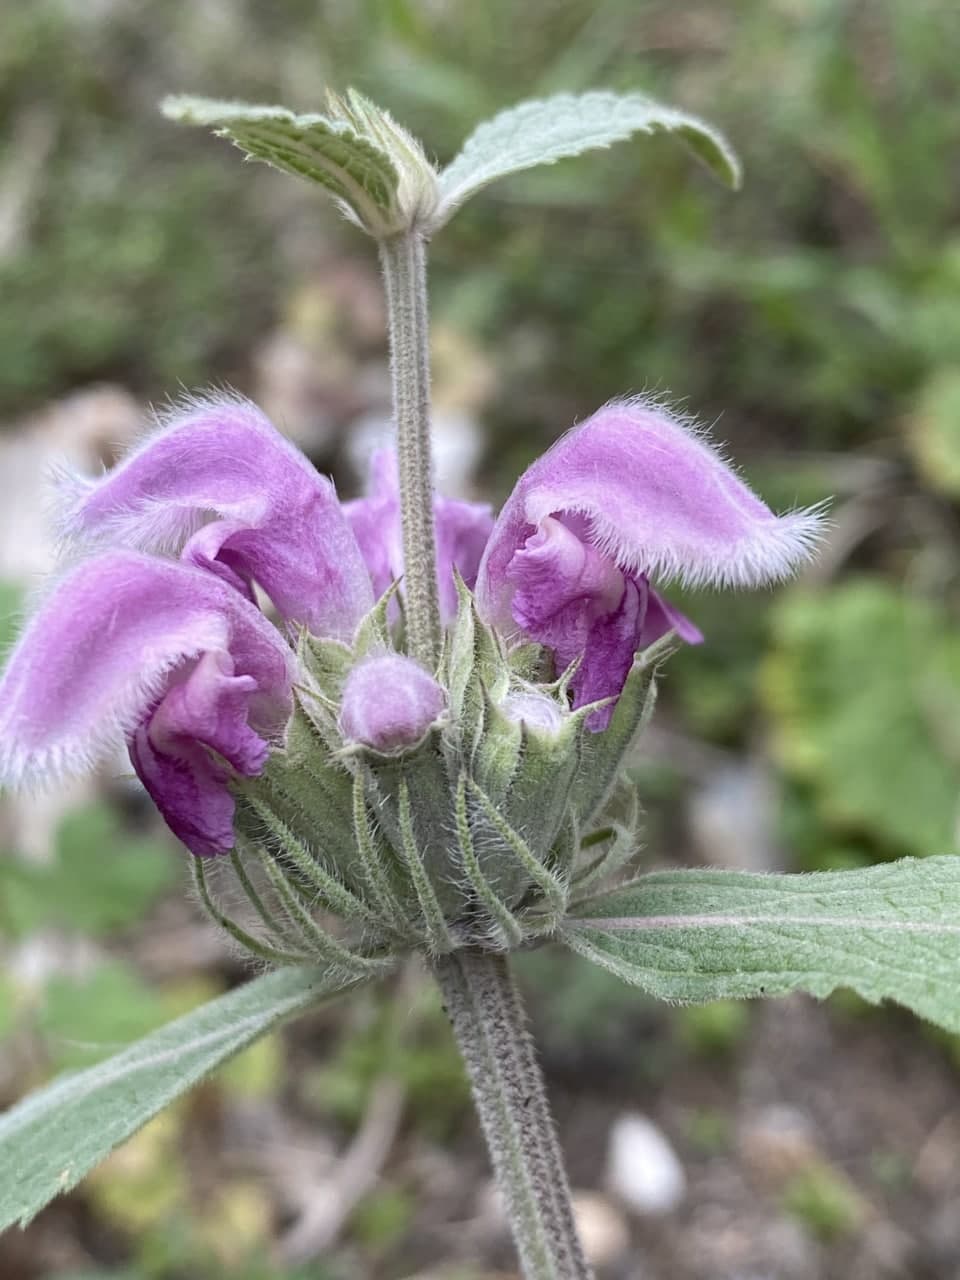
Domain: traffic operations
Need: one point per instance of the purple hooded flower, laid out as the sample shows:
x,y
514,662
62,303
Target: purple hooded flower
x,y
164,656
220,486
631,495
462,529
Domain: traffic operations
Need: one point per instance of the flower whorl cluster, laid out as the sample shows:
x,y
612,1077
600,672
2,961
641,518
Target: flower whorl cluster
x,y
242,632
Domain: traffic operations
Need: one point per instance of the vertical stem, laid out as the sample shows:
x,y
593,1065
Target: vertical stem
x,y
403,259
489,1024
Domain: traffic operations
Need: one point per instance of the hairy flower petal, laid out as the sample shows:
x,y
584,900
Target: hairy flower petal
x,y
220,483
657,499
631,495
462,530
107,645
207,708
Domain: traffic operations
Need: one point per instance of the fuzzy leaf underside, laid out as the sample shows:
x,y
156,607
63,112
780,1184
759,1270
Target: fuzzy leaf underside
x,y
551,129
56,1135
326,151
889,932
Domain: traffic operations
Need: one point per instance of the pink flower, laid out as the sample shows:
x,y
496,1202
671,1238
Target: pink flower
x,y
161,654
221,487
631,495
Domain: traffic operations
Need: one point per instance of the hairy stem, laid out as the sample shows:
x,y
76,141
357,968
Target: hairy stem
x,y
489,1023
405,272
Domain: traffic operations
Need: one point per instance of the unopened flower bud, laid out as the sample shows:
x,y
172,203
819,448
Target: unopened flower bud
x,y
535,710
389,702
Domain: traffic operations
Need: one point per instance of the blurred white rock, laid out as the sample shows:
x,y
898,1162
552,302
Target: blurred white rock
x,y
603,1230
457,446
30,964
643,1170
82,431
777,1142
462,382
733,817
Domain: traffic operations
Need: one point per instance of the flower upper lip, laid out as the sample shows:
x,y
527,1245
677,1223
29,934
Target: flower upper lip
x,y
276,520
102,649
631,494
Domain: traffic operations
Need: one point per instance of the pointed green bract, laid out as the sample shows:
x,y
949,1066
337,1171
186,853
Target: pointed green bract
x,y
438,938
504,928
538,801
604,755
497,755
310,791
475,672
890,932
622,843
373,633
56,1135
551,129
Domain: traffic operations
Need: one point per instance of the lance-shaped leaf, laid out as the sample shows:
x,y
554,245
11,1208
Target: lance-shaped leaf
x,y
890,932
375,170
55,1136
551,129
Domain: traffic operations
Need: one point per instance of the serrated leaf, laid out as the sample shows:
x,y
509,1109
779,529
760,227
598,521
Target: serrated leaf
x,y
551,129
889,932
56,1135
319,148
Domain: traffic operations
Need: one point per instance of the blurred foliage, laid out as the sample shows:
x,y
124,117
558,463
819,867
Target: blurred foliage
x,y
934,431
825,1201
84,1019
817,311
408,1040
714,1030
11,597
708,1129
98,880
864,688
384,1217
824,295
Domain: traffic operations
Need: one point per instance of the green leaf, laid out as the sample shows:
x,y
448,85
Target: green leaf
x,y
890,932
319,148
551,129
56,1135
864,687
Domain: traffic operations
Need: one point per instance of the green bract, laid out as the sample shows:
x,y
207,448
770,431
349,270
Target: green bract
x,y
480,835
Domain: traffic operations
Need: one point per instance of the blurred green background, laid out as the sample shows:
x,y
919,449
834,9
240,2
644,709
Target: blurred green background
x,y
814,318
